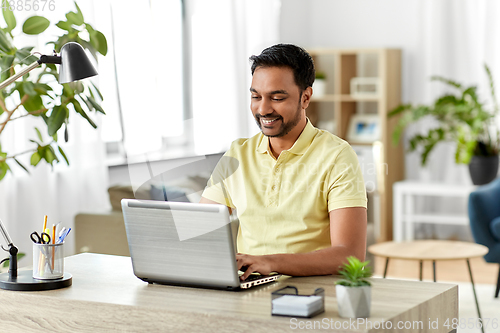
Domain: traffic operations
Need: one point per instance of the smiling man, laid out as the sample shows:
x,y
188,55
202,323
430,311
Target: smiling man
x,y
298,191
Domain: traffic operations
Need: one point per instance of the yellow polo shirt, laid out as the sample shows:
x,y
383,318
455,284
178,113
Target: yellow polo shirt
x,y
283,204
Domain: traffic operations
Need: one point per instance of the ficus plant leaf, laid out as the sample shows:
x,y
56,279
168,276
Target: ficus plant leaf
x,y
35,25
39,92
9,18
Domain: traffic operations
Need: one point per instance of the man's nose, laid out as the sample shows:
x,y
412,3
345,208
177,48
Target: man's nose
x,y
265,107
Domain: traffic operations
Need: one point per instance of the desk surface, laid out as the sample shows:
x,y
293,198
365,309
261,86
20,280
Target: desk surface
x,y
428,250
105,295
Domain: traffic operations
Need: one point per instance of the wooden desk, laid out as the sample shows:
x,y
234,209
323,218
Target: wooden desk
x,y
106,296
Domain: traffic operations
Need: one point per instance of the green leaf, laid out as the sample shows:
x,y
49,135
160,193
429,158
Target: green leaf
x,y
35,25
50,155
39,134
77,87
64,25
9,18
5,44
63,155
24,56
4,167
29,88
57,118
5,64
74,18
446,81
95,105
79,13
33,103
35,158
78,108
19,256
21,165
97,91
42,88
99,42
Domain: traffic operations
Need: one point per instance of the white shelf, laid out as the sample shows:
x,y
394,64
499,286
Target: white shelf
x,y
437,218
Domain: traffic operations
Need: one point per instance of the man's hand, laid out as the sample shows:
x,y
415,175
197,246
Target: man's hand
x,y
259,264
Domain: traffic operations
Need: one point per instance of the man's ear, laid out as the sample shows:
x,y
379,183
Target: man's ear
x,y
306,97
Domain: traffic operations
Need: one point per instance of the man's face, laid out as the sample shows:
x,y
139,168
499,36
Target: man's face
x,y
276,100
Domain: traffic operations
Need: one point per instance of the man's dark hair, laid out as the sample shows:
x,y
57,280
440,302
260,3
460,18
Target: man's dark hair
x,y
288,55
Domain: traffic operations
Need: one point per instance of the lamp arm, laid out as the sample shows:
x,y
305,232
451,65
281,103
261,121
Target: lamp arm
x,y
16,76
44,59
12,251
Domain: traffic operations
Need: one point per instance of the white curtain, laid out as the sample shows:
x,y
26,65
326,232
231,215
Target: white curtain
x,y
60,193
456,39
224,34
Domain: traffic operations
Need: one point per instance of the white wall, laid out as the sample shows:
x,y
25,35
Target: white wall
x,y
358,23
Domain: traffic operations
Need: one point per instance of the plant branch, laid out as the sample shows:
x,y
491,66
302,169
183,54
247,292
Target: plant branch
x,y
30,113
18,154
10,113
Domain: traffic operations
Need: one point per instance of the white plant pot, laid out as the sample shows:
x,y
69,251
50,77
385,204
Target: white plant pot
x,y
319,88
354,302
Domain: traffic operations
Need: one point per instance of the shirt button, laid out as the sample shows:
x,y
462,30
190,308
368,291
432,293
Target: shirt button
x,y
277,170
274,187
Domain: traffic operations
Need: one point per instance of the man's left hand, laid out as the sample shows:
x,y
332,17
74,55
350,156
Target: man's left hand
x,y
258,264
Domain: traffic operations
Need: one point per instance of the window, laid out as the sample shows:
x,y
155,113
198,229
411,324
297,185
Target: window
x,y
142,76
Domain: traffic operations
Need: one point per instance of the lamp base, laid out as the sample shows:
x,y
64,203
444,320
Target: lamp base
x,y
26,282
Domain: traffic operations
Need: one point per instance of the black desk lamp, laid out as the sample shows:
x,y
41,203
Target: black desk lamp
x,y
75,65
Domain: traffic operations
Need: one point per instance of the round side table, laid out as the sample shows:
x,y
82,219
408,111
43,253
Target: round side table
x,y
430,250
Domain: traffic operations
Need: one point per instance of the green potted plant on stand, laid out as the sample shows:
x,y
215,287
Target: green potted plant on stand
x,y
354,291
461,118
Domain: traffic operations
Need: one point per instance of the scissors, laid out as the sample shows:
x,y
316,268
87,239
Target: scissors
x,y
43,239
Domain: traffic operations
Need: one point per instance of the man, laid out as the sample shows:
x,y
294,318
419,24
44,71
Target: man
x,y
298,191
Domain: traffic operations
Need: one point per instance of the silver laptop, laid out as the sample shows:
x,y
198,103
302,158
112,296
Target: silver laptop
x,y
186,244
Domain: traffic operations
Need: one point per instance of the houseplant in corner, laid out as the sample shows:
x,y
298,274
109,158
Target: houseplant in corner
x,y
354,291
461,118
37,95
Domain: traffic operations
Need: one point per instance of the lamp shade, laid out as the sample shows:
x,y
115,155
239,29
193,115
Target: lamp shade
x,y
75,65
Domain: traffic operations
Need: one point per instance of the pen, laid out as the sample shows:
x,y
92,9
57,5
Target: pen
x,y
44,223
63,236
53,242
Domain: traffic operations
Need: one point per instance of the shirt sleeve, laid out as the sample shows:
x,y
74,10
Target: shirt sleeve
x,y
346,183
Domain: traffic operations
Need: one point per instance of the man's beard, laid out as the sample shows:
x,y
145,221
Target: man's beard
x,y
285,128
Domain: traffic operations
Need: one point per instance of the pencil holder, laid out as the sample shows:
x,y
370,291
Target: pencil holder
x,y
48,261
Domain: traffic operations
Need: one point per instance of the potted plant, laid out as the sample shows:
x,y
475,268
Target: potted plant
x,y
319,85
35,95
354,291
461,118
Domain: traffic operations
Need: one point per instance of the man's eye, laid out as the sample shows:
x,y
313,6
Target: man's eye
x,y
255,97
278,99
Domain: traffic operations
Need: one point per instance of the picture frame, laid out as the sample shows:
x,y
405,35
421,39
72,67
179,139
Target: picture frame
x,y
363,128
365,86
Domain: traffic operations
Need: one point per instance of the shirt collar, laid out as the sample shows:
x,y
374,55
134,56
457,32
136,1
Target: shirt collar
x,y
299,147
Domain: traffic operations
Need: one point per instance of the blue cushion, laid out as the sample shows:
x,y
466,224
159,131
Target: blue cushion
x,y
495,228
172,193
